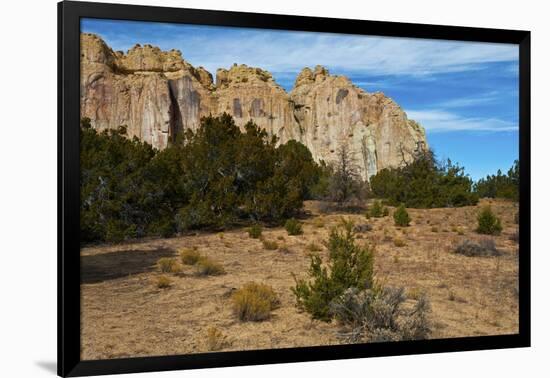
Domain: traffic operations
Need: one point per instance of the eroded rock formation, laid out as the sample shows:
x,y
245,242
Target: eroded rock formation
x,y
157,94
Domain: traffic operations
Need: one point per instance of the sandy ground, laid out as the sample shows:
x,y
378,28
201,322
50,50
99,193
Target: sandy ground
x,y
124,314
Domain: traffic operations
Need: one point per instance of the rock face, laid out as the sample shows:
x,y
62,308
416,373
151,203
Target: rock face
x,y
157,94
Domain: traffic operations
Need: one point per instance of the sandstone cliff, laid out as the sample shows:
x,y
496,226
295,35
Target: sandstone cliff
x,y
157,94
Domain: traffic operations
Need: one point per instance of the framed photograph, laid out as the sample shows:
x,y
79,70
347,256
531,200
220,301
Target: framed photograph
x,y
240,188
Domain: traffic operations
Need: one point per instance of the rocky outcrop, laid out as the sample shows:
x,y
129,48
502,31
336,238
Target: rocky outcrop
x,y
157,94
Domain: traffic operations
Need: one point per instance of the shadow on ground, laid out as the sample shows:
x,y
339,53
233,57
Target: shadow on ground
x,y
109,266
49,366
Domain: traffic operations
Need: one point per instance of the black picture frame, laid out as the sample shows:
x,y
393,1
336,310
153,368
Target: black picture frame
x,y
69,15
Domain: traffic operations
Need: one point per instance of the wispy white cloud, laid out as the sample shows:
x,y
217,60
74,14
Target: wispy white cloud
x,y
437,120
285,51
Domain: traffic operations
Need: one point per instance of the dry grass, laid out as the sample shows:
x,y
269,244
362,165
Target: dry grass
x,y
270,245
215,339
208,267
124,315
164,282
189,256
254,302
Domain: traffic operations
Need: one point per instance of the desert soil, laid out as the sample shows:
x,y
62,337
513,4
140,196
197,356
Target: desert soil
x,y
124,314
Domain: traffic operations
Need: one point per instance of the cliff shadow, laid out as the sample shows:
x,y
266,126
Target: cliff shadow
x,y
113,265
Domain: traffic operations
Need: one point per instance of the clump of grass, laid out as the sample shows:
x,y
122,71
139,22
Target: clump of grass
x,y
255,231
215,339
401,216
396,259
254,302
164,282
399,242
189,256
319,222
168,265
293,227
484,248
208,267
270,245
312,247
280,237
488,223
435,229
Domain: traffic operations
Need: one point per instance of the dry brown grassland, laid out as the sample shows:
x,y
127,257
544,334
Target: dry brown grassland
x,y
126,314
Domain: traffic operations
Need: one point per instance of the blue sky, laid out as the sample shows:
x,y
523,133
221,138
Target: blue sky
x,y
465,94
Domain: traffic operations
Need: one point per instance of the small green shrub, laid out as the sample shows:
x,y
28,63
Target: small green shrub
x,y
189,256
488,223
255,231
377,210
349,266
168,265
270,245
293,227
164,282
208,267
254,302
401,216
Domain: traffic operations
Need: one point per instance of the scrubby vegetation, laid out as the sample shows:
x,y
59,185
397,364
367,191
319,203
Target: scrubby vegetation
x,y
484,248
208,267
500,185
293,227
164,282
270,245
401,216
189,256
255,231
168,265
377,210
378,315
210,178
488,223
425,183
349,266
254,302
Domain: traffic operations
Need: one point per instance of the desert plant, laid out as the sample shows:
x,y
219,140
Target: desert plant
x,y
349,266
208,267
484,248
488,222
399,242
215,339
254,302
189,256
312,247
377,210
168,265
365,227
163,282
378,315
255,231
293,227
270,245
401,216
